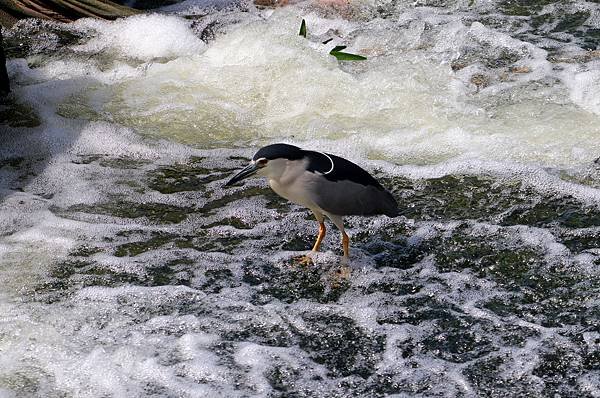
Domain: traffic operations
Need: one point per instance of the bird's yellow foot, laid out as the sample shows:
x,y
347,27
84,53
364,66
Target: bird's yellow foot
x,y
302,260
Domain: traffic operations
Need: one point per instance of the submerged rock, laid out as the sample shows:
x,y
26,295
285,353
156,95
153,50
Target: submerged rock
x,y
16,114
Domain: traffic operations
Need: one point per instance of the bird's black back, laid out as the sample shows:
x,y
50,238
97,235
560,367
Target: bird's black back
x,y
351,189
343,169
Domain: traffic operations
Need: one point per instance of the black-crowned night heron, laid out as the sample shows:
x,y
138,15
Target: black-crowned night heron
x,y
326,184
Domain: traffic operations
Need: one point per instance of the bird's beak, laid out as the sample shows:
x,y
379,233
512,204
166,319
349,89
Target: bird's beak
x,y
244,173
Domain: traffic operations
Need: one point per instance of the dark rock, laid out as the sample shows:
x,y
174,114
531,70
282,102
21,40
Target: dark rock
x,y
4,84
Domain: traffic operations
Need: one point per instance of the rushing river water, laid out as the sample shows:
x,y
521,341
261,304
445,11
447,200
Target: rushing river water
x,y
126,269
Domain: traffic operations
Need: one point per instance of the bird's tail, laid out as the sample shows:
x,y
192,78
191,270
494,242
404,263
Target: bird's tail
x,y
391,206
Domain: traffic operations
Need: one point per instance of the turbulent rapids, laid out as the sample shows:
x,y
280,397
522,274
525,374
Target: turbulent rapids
x,y
126,269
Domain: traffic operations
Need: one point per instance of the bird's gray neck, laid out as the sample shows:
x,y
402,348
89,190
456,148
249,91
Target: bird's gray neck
x,y
284,172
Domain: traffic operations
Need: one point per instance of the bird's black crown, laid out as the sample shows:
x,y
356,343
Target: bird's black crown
x,y
279,151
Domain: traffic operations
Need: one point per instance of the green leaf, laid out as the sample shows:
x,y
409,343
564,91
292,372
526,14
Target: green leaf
x,y
341,56
348,57
303,29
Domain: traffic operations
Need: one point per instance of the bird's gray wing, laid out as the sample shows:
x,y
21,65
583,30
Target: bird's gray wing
x,y
346,197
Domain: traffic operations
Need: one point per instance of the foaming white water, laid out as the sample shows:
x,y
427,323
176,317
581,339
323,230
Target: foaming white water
x,y
262,82
143,37
583,87
405,104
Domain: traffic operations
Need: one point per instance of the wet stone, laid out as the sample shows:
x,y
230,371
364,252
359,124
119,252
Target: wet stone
x,y
155,389
338,343
569,22
541,19
505,265
517,336
281,378
14,162
76,107
218,279
395,255
456,197
490,56
232,222
293,282
37,36
523,7
81,272
84,251
547,212
16,114
91,274
122,163
22,382
86,159
297,242
273,200
172,273
547,301
390,247
591,361
395,288
590,38
486,375
385,384
181,178
559,370
140,242
578,241
419,309
266,334
155,212
132,249
457,339
62,279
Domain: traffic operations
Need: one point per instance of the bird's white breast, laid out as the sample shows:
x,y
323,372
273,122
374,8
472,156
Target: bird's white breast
x,y
293,184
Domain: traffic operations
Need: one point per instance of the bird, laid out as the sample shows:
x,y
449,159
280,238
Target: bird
x,y
328,185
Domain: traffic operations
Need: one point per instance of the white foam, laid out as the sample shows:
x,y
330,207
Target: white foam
x,y
584,87
144,37
261,81
198,6
5,393
387,109
109,139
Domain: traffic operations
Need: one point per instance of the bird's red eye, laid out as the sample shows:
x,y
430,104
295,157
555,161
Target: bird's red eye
x,y
262,162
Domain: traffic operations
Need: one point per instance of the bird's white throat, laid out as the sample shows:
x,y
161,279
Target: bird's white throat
x,y
289,178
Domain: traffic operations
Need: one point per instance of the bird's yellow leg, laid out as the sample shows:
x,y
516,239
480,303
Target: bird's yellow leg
x,y
307,260
320,237
346,244
342,274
